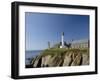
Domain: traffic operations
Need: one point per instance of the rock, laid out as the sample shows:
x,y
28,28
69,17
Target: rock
x,y
85,60
70,58
77,60
45,60
36,63
67,60
55,60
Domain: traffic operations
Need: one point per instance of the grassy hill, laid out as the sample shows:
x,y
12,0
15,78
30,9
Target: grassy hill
x,y
55,57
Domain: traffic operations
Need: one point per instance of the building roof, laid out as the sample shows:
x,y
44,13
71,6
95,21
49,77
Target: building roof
x,y
80,41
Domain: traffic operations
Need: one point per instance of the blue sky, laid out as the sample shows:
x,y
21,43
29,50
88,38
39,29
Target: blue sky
x,y
43,27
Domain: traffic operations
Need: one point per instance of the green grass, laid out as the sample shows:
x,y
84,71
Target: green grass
x,y
58,51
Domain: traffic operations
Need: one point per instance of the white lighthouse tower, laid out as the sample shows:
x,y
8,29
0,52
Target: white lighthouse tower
x,y
62,40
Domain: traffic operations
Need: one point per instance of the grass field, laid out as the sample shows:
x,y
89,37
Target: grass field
x,y
53,51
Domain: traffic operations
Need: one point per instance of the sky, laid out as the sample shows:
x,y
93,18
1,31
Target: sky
x,y
43,27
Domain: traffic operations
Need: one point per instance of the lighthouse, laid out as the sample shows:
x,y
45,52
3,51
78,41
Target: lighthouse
x,y
62,40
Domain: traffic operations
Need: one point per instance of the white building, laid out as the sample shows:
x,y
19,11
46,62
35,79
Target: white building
x,y
62,40
84,43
